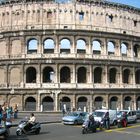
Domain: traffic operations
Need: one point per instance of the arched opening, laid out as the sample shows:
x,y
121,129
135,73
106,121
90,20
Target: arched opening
x,y
30,104
96,47
82,103
112,75
48,75
98,75
31,75
124,48
127,103
81,46
98,102
49,45
126,76
113,103
111,48
138,103
65,103
137,77
32,46
82,75
48,104
65,46
65,75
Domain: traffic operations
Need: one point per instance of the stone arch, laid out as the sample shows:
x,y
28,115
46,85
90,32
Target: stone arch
x,y
48,45
31,75
137,76
65,103
81,75
126,76
96,46
48,103
113,103
111,48
127,103
48,75
30,104
65,45
98,75
82,103
32,45
65,75
98,102
112,75
81,45
138,103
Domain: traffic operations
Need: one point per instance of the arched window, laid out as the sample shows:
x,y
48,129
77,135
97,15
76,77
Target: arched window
x,y
137,77
112,75
136,50
32,46
48,104
48,75
49,46
65,103
124,47
82,103
111,48
96,47
81,46
65,75
31,75
30,104
98,102
126,76
113,103
98,75
65,46
82,75
127,103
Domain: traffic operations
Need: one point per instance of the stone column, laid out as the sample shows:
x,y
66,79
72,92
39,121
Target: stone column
x,y
56,50
40,45
74,75
104,46
73,48
120,77
23,47
134,79
90,74
117,50
105,75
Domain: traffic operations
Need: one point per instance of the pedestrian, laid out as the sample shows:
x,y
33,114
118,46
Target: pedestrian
x,y
107,121
15,111
1,113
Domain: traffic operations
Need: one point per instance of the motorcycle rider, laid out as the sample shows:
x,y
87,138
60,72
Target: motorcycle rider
x,y
31,122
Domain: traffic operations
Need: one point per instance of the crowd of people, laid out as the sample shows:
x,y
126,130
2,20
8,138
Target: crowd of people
x,y
8,112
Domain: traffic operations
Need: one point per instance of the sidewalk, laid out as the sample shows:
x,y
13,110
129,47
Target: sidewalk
x,y
42,117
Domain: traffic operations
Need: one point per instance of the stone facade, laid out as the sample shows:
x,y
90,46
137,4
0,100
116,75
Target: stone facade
x,y
82,54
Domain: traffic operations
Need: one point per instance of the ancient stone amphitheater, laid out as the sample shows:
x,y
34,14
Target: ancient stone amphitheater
x,y
74,54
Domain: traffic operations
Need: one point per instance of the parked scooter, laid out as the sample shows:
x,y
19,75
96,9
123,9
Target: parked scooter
x,y
5,129
121,122
34,129
87,129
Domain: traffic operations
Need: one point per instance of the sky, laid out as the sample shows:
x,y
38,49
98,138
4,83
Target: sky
x,y
135,3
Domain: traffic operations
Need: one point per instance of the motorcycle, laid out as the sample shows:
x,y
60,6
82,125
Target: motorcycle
x,y
35,129
121,122
87,129
5,129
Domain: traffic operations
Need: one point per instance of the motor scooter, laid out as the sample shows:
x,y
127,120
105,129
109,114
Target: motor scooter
x,y
87,129
121,122
34,129
5,129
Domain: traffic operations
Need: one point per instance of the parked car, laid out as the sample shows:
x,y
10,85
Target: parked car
x,y
131,115
75,118
138,114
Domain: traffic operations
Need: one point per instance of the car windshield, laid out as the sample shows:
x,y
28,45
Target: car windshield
x,y
73,114
120,112
99,114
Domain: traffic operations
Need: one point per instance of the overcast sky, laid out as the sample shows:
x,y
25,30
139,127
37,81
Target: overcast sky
x,y
135,3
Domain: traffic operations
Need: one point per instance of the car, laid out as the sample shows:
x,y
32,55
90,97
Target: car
x,y
75,118
131,115
138,114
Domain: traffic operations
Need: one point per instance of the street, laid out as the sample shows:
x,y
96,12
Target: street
x,y
58,131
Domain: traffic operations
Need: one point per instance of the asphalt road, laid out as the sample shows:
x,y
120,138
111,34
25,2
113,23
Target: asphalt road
x,y
59,131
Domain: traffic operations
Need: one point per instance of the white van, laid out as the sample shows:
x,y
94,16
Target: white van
x,y
99,115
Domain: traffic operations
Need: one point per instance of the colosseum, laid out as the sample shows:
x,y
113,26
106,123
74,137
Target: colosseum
x,y
84,54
